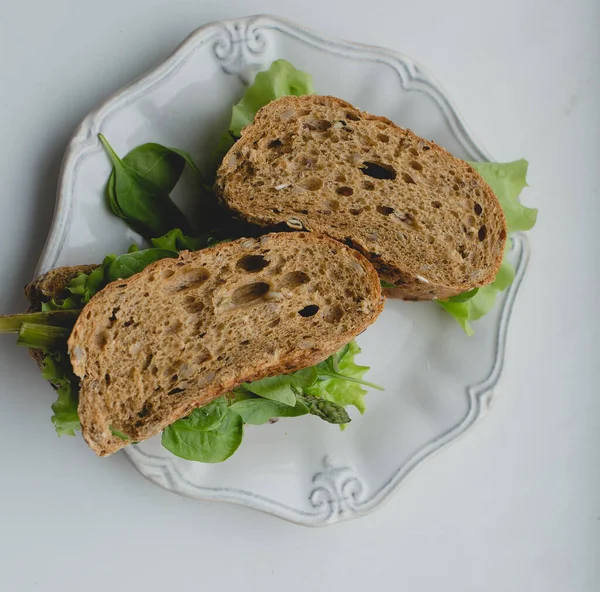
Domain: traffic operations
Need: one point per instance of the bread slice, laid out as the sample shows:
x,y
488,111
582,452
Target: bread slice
x,y
53,284
50,285
184,331
426,220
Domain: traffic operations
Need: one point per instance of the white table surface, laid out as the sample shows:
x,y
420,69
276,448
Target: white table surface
x,y
513,506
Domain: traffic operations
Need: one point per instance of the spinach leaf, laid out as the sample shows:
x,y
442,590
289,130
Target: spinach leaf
x,y
160,165
274,388
144,205
175,240
124,266
209,434
257,411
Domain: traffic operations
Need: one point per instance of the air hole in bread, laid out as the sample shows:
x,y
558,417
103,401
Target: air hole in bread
x,y
383,138
318,125
378,170
502,234
345,191
175,391
340,178
276,210
107,379
414,151
334,314
167,273
252,263
275,143
408,179
417,166
356,211
331,205
309,311
436,204
294,279
101,339
352,117
482,233
478,209
385,210
250,293
368,185
311,184
245,342
275,322
191,279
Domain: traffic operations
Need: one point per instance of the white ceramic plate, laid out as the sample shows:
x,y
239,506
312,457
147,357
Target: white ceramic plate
x,y
438,381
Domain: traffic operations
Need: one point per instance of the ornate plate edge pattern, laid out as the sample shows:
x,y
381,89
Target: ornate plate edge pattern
x,y
337,492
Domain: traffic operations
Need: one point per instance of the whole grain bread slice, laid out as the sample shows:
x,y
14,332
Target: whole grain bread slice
x,y
427,220
150,349
50,285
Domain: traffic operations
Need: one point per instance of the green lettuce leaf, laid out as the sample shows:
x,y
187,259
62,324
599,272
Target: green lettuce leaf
x,y
482,302
281,79
57,369
339,389
506,180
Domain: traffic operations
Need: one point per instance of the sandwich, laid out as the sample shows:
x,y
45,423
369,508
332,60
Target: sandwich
x,y
252,323
312,210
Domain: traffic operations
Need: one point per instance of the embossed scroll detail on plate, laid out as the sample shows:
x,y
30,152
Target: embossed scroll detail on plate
x,y
337,492
242,46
